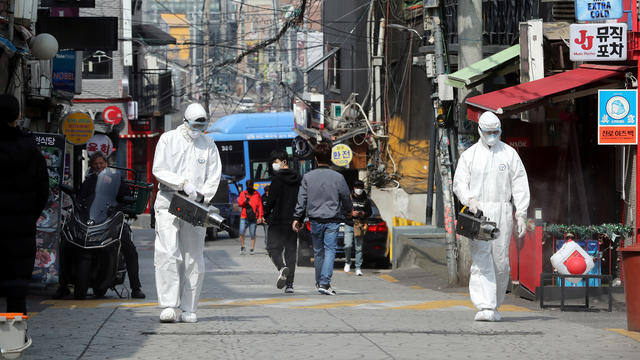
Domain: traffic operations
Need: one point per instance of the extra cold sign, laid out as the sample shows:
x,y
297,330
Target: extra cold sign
x,y
592,10
617,117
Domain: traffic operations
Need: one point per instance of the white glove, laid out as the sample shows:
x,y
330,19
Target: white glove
x,y
191,190
473,205
522,227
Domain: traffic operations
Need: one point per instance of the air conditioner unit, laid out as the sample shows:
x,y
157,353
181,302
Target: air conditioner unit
x,y
336,110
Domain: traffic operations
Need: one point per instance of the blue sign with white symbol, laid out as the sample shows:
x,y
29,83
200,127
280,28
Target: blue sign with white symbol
x,y
617,107
617,117
593,10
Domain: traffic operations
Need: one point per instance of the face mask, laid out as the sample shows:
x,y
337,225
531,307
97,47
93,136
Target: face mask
x,y
193,133
491,139
358,191
275,166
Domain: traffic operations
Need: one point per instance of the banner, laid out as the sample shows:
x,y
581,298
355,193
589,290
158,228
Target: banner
x,y
46,266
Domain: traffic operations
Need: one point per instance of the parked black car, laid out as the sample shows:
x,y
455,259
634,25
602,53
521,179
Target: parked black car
x,y
374,247
228,209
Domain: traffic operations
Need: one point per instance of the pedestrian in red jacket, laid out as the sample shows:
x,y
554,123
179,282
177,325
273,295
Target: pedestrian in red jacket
x,y
252,214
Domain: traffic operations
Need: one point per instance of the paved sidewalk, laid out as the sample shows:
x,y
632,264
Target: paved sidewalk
x,y
382,315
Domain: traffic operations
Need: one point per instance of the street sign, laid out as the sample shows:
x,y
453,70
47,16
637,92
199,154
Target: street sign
x,y
617,117
100,142
341,155
112,115
598,42
78,128
595,10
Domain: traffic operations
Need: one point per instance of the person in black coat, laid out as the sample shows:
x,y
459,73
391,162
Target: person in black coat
x,y
24,190
283,195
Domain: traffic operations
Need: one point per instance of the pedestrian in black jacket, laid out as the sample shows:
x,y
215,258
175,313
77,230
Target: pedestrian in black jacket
x,y
281,203
24,190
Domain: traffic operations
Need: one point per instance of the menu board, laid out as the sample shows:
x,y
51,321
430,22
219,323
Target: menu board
x,y
46,265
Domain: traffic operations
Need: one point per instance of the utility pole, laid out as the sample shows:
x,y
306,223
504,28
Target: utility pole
x,y
205,55
276,90
470,51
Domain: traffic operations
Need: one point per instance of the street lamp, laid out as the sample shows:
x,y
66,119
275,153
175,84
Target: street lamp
x,y
43,46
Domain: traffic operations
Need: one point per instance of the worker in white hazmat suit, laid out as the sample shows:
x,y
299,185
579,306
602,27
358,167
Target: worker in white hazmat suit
x,y
185,160
489,176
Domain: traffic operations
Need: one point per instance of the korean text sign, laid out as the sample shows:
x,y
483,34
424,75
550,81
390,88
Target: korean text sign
x,y
598,42
617,117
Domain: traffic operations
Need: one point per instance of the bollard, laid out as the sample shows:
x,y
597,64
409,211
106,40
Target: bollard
x,y
631,269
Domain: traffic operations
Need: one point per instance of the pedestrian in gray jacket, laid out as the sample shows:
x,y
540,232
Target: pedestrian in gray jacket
x,y
325,197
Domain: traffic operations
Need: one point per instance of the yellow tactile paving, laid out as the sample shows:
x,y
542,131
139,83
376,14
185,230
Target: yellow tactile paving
x,y
212,303
256,302
339,304
388,278
630,334
443,304
83,304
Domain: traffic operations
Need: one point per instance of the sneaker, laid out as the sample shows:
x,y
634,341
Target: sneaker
x,y
326,290
137,294
347,267
358,272
243,251
169,315
251,252
288,289
282,278
188,317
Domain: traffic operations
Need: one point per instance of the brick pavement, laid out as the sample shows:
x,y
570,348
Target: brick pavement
x,y
243,316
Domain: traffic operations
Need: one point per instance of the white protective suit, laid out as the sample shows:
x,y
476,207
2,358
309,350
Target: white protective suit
x,y
179,246
491,177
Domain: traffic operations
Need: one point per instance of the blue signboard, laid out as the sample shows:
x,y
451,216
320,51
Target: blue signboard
x,y
617,117
64,71
593,10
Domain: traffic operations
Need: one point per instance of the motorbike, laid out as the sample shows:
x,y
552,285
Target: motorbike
x,y
91,238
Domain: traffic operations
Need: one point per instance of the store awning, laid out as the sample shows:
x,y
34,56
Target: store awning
x,y
522,96
472,74
152,35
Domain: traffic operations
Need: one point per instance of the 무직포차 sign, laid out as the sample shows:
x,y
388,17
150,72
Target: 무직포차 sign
x,y
594,10
617,117
598,42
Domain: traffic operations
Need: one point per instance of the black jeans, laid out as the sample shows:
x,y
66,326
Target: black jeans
x,y
283,239
130,258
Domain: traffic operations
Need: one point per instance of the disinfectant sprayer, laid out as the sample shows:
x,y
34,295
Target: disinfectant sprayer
x,y
196,213
476,226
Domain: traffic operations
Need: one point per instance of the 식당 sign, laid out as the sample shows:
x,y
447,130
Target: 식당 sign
x,y
595,10
617,117
598,42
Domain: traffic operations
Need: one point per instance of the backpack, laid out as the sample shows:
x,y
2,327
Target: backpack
x,y
251,215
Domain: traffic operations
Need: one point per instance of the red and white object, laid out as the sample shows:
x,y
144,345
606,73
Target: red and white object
x,y
100,142
572,259
112,115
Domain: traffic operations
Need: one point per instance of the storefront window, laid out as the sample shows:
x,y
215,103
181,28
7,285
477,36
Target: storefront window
x,y
97,65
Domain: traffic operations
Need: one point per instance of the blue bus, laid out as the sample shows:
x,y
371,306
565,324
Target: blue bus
x,y
245,142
